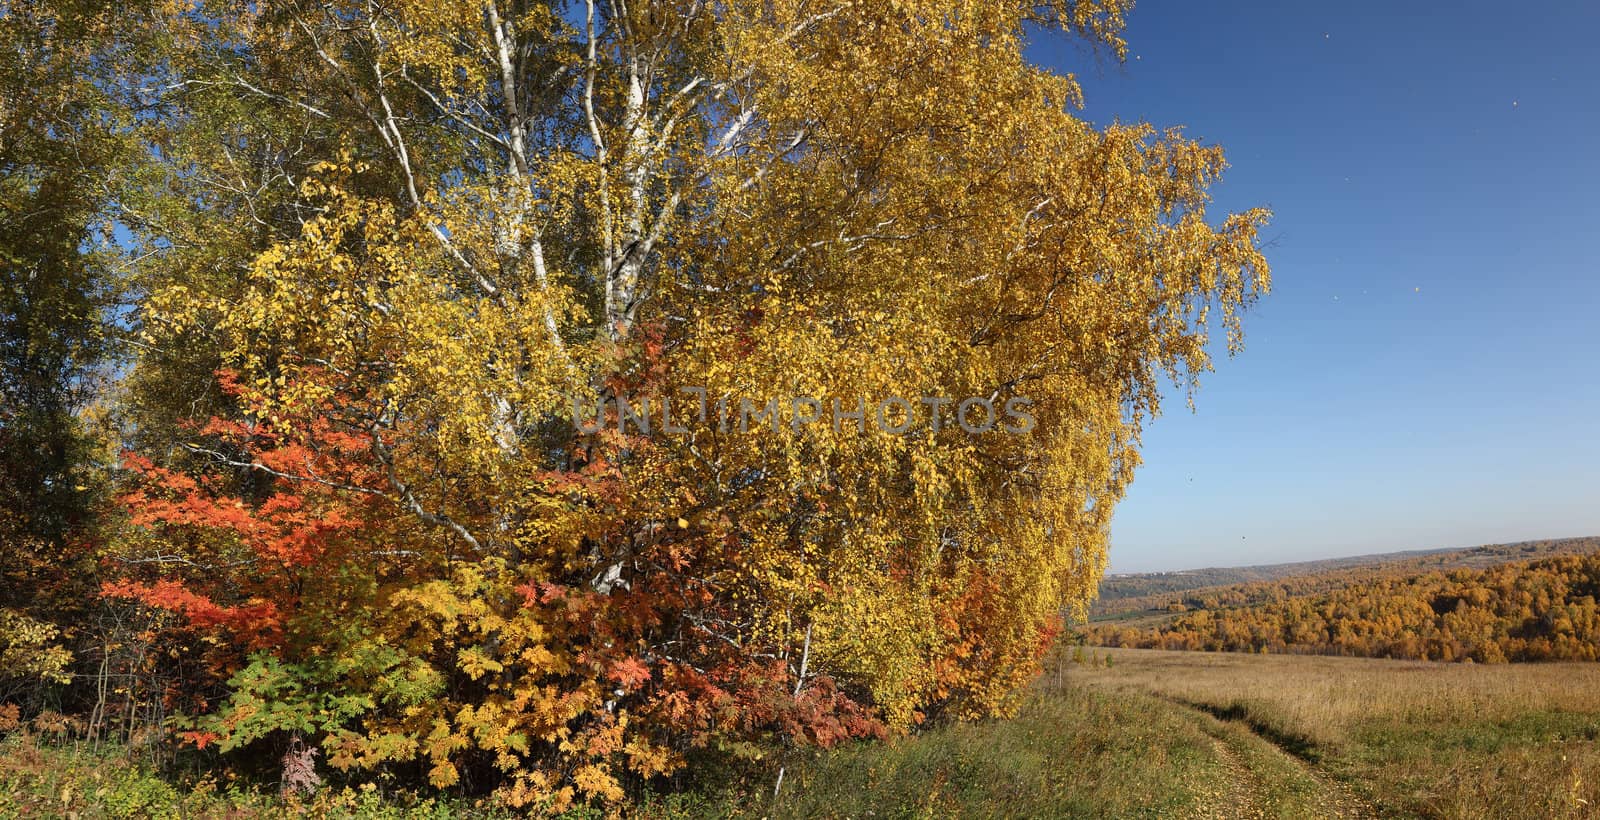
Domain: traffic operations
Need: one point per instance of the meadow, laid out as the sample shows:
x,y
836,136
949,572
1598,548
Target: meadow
x,y
1103,733
1150,733
1408,738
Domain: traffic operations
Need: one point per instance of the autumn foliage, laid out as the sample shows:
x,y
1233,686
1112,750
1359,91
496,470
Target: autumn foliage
x,y
327,612
1541,610
377,253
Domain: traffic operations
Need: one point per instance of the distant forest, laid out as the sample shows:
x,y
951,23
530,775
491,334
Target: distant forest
x,y
1480,604
1214,587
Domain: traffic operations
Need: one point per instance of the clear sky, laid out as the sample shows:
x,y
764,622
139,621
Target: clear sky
x,y
1426,372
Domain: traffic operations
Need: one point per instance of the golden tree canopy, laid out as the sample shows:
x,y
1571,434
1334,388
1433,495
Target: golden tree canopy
x,y
435,227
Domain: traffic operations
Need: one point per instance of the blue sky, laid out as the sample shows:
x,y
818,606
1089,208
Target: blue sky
x,y
1426,372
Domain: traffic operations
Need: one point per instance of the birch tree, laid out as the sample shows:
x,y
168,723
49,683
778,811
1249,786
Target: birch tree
x,y
408,234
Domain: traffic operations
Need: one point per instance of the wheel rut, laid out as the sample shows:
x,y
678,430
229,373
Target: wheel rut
x,y
1248,794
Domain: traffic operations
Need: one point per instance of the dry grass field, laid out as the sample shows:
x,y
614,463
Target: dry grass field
x,y
1408,738
1192,734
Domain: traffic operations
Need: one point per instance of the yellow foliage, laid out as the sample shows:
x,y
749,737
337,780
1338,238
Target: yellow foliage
x,y
28,651
846,202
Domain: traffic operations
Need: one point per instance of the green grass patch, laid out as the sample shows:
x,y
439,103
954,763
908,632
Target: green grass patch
x,y
1069,752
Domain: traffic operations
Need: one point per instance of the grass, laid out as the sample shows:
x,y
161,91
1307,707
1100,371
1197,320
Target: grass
x,y
1155,734
1411,738
1073,750
1056,758
82,782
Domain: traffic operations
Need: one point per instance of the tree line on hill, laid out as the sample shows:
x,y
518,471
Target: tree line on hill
x,y
1180,592
1541,610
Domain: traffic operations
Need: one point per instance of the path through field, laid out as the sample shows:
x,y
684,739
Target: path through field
x,y
1265,780
1131,733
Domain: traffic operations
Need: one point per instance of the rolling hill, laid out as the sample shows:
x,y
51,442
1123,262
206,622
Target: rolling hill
x,y
1160,593
1466,605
